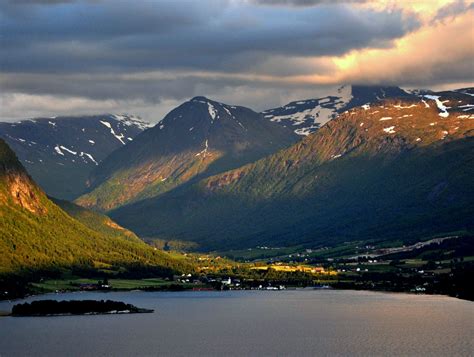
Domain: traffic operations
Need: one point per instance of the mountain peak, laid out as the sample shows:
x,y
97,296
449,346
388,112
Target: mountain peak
x,y
200,137
200,98
378,91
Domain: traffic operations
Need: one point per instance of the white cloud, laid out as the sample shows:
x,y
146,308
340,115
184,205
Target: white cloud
x,y
14,106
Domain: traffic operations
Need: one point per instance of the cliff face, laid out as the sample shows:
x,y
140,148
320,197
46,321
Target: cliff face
x,y
17,185
23,193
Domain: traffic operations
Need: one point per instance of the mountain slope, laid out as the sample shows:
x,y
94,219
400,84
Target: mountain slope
x,y
307,116
199,138
35,234
400,169
61,152
96,221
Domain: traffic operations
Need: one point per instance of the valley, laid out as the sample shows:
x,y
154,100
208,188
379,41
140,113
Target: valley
x,y
217,196
439,266
236,178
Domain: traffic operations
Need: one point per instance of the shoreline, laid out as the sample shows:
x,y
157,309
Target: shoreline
x,y
145,311
74,307
219,291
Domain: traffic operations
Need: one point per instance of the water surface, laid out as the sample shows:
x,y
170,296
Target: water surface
x,y
283,323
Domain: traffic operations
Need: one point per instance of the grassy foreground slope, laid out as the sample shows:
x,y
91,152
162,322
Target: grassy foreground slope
x,y
36,234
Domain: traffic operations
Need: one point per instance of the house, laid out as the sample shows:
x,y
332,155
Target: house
x,y
227,281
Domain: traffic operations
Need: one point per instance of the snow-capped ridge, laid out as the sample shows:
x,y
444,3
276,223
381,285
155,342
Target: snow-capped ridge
x,y
132,120
309,115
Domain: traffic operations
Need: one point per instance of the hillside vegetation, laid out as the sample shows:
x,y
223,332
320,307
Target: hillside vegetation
x,y
35,234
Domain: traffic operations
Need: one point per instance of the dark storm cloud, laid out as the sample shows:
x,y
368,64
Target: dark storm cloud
x,y
108,36
306,2
39,2
103,50
152,89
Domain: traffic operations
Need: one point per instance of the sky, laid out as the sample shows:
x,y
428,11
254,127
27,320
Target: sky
x,y
65,57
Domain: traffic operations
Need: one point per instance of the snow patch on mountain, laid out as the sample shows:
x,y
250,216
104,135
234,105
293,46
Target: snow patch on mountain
x,y
398,106
466,92
467,106
444,109
228,112
390,130
68,150
89,156
344,94
132,120
204,151
308,115
58,150
112,131
212,111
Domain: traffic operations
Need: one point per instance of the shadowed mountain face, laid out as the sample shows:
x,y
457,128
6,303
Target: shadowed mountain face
x,y
307,116
36,234
197,139
396,168
61,152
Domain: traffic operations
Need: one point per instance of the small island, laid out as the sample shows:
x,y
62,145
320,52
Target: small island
x,y
75,307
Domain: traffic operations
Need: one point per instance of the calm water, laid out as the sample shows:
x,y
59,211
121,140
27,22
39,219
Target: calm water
x,y
296,323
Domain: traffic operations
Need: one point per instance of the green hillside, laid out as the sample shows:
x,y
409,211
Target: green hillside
x,y
35,234
397,170
96,221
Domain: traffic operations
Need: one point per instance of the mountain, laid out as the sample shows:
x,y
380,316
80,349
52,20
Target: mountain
x,y
199,138
61,152
36,234
399,169
307,116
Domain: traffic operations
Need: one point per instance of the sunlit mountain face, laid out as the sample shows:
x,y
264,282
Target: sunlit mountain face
x,y
397,162
199,138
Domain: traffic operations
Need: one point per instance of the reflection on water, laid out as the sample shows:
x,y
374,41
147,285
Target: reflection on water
x,y
260,323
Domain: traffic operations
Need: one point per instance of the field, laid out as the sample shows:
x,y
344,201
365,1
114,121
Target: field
x,y
115,284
